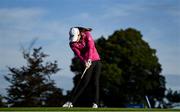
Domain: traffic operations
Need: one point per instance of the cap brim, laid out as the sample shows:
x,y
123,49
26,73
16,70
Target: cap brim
x,y
73,38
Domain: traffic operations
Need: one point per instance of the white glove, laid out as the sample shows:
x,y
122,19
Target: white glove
x,y
88,63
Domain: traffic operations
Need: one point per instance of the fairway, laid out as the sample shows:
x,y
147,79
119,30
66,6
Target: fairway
x,y
59,109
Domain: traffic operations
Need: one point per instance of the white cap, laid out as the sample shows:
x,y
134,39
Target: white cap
x,y
73,33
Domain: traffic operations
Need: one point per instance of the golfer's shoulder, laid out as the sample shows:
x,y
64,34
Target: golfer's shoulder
x,y
87,33
89,36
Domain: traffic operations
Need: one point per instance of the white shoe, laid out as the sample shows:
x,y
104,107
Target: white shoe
x,y
95,105
68,105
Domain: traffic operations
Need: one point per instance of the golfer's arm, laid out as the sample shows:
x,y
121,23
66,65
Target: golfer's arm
x,y
77,53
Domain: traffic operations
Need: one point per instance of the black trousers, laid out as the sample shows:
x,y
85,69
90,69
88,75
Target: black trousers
x,y
92,73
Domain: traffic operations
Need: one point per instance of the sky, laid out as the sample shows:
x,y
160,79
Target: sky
x,y
48,22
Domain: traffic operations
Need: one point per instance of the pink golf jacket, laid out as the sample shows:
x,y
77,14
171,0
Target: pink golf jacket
x,y
85,49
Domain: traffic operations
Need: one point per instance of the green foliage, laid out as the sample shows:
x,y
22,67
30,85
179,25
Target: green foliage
x,y
130,69
31,85
173,96
138,63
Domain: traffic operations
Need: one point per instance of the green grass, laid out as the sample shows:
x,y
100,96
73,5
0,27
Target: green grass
x,y
59,109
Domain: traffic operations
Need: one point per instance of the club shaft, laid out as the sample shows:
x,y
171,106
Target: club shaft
x,y
84,72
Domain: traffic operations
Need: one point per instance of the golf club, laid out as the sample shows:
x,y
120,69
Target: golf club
x,y
84,72
79,81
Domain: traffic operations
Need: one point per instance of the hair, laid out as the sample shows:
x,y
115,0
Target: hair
x,y
83,29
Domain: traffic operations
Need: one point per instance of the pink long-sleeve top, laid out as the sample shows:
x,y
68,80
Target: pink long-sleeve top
x,y
85,48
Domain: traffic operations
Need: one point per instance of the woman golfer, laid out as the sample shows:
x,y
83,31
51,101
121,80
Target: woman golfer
x,y
82,44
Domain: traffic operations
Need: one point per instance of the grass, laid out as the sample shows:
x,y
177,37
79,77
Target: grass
x,y
59,109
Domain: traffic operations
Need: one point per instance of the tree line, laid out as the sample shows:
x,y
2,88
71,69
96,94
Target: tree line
x,y
130,71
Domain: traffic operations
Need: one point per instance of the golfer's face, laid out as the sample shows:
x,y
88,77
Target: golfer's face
x,y
79,37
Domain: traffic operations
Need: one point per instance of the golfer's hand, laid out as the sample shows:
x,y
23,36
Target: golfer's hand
x,y
88,63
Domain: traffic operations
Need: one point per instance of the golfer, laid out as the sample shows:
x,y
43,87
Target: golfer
x,y
83,46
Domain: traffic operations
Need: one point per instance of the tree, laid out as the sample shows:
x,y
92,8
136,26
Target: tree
x,y
173,96
1,101
130,69
31,85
